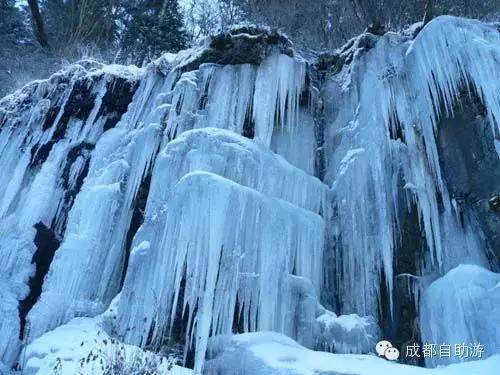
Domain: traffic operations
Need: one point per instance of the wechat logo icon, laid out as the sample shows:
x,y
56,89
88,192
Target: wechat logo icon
x,y
385,349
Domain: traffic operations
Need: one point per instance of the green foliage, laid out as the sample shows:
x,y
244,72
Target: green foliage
x,y
150,28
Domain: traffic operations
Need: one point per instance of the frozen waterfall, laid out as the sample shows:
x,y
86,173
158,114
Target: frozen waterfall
x,y
195,199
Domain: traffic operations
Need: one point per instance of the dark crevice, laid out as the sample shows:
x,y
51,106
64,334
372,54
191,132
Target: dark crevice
x,y
249,126
50,118
39,154
115,102
319,136
78,157
396,130
411,246
278,121
238,319
137,220
3,121
305,95
385,313
46,244
173,340
178,107
317,108
204,96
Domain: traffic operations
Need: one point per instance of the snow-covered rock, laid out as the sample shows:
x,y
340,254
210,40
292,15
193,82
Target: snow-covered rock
x,y
345,333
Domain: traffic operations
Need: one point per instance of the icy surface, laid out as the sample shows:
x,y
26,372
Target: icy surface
x,y
93,248
471,295
243,98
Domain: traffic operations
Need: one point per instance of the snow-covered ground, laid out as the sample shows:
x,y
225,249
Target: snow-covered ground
x,y
269,353
83,347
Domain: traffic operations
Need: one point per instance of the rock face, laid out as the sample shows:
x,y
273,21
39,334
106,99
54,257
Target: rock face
x,y
244,45
470,159
237,188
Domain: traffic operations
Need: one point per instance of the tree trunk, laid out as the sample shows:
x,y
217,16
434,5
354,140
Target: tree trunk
x,y
38,25
428,11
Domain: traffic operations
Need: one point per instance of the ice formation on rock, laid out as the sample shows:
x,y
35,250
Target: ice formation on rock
x,y
471,296
80,146
46,129
224,263
382,138
246,99
243,244
235,187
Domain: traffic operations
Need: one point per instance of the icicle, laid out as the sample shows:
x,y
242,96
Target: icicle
x,y
271,238
413,83
42,123
98,224
278,85
229,96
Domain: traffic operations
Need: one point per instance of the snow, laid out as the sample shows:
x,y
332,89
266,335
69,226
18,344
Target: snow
x,y
269,353
83,347
346,333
